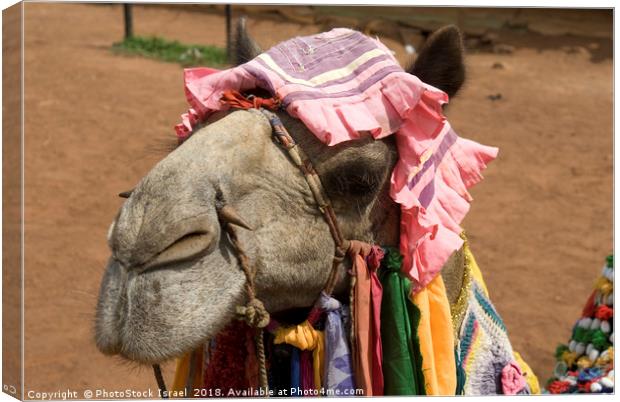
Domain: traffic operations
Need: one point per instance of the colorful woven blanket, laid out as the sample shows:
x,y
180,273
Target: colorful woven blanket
x,y
344,85
484,353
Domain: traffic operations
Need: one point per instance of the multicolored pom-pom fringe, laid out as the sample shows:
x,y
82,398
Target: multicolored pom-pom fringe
x,y
586,364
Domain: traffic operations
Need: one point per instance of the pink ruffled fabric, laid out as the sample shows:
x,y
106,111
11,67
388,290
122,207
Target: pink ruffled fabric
x,y
435,166
203,91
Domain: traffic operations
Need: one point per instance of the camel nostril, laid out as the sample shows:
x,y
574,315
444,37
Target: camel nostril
x,y
189,246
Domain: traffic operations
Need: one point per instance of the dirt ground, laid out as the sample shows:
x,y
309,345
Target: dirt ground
x,y
540,227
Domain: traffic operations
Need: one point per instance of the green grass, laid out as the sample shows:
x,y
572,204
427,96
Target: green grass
x,y
172,51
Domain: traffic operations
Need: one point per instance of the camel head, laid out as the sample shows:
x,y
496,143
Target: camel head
x,y
173,280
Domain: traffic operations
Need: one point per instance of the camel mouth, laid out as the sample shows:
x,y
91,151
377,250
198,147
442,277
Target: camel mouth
x,y
145,361
188,247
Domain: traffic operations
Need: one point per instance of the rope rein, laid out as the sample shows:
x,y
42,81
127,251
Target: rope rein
x,y
160,381
299,158
254,312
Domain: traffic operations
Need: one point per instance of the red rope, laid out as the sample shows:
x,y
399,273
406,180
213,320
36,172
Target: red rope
x,y
238,100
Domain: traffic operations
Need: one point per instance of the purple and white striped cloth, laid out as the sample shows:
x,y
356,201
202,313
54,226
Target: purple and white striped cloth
x,y
338,373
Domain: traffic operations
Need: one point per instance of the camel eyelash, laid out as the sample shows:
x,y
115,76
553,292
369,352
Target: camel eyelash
x,y
355,182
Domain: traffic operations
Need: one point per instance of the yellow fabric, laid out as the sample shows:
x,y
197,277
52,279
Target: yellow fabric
x,y
474,268
319,361
305,337
527,371
436,338
182,371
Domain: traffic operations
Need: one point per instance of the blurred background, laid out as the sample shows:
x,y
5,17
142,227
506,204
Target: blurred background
x,y
100,103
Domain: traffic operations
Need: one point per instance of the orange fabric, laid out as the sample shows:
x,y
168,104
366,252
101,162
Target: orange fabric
x,y
361,357
436,338
368,354
182,372
237,100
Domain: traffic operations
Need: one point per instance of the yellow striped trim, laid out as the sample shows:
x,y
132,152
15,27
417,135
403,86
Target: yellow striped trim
x,y
425,156
473,265
326,76
530,377
473,351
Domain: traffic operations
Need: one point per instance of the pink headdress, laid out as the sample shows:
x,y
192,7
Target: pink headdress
x,y
342,84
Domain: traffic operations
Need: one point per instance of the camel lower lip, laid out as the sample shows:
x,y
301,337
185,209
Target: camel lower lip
x,y
146,361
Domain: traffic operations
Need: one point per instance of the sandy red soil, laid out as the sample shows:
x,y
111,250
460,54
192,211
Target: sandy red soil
x,y
541,224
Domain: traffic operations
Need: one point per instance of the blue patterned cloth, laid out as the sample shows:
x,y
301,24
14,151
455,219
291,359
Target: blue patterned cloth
x,y
295,368
338,373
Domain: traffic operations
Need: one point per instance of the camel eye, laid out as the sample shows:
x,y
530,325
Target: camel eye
x,y
355,181
358,185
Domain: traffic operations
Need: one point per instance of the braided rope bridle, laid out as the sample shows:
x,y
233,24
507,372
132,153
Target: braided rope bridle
x,y
254,312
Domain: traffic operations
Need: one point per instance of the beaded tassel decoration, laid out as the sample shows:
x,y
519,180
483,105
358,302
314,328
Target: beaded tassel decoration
x,y
586,364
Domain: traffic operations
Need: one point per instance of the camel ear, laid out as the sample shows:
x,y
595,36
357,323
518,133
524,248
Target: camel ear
x,y
440,62
245,49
